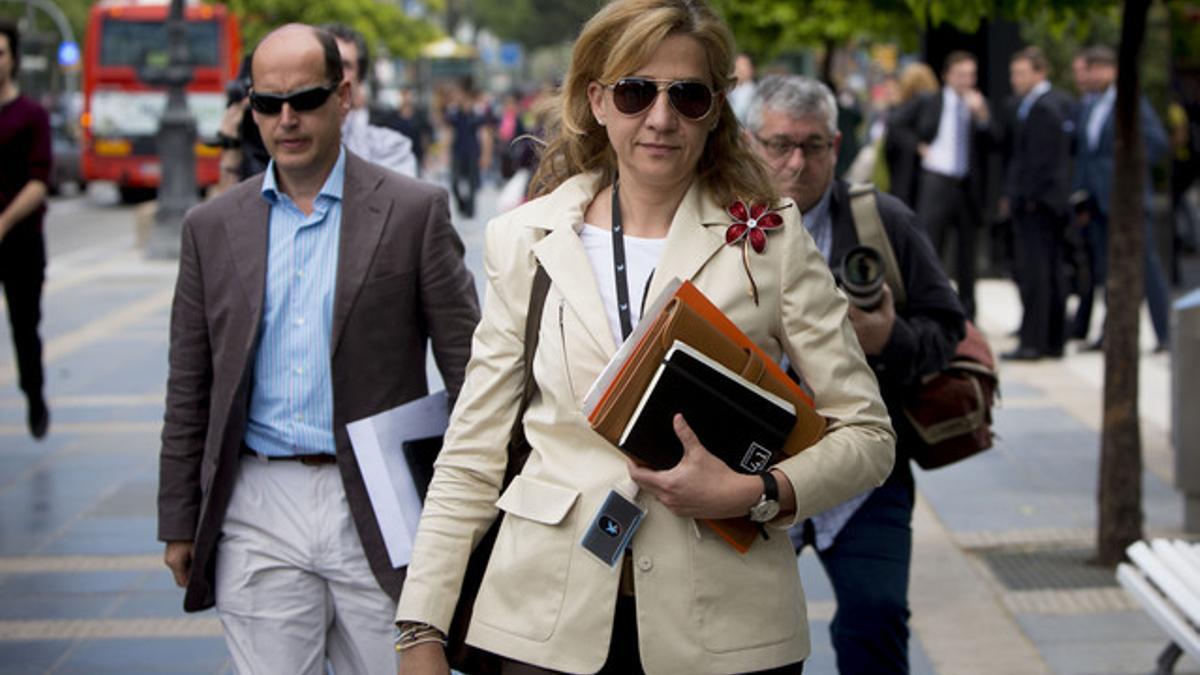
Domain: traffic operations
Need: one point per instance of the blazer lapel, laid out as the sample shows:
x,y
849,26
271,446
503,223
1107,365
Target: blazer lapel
x,y
364,214
247,232
562,255
697,233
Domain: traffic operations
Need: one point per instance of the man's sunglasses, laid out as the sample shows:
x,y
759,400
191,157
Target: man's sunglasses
x,y
300,101
633,95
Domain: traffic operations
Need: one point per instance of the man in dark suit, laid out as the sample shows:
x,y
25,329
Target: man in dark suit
x,y
945,135
1093,185
865,544
305,300
1038,141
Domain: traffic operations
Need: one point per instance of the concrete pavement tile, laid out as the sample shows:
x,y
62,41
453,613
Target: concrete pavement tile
x,y
66,583
130,657
22,658
107,536
30,607
134,498
812,575
150,604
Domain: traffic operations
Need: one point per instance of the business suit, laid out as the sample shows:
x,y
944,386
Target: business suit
x,y
400,283
1036,183
943,202
1094,167
701,606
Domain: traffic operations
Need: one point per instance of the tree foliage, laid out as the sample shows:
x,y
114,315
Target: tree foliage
x,y
383,24
534,23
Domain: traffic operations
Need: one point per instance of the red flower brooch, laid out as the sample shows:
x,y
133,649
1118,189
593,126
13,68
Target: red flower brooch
x,y
750,226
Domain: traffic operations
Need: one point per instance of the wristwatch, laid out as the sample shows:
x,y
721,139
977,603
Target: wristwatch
x,y
768,504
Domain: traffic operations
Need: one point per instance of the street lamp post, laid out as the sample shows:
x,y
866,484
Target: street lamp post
x,y
176,141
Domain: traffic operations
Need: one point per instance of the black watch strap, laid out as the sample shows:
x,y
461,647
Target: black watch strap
x,y
770,486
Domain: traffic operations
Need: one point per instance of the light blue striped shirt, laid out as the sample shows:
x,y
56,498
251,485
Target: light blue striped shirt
x,y
291,397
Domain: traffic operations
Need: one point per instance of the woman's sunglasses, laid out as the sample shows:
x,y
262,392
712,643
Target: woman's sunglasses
x,y
633,95
300,101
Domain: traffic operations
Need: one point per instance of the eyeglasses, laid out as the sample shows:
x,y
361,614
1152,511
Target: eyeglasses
x,y
300,101
780,146
633,95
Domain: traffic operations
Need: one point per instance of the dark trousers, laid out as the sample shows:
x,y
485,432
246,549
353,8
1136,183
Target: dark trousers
x,y
868,567
464,181
1039,277
624,658
1154,282
22,273
945,205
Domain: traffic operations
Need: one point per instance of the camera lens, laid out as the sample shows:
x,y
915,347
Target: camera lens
x,y
862,276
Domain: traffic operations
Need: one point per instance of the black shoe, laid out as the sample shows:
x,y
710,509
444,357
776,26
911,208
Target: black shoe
x,y
1097,346
1022,354
39,418
1162,348
1054,353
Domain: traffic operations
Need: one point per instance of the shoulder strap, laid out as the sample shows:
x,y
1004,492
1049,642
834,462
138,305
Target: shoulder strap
x,y
869,226
518,448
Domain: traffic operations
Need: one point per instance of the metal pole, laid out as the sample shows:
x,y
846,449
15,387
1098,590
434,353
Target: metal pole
x,y
176,143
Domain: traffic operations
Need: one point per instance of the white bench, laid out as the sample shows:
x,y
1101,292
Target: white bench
x,y
1164,576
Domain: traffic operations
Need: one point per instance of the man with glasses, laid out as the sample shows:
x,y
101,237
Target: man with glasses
x,y
305,300
865,544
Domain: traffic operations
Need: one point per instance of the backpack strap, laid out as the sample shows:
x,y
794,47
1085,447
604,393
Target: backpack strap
x,y
869,226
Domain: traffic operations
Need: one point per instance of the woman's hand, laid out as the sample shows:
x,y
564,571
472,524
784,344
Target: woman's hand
x,y
424,659
700,485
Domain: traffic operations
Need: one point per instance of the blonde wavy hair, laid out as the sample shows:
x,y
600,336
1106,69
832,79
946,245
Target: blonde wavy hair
x,y
621,37
916,79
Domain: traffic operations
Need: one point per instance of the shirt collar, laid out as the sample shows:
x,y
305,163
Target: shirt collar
x,y
332,187
1038,90
814,217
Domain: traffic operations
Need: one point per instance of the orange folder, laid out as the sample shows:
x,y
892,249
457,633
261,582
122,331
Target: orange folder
x,y
684,313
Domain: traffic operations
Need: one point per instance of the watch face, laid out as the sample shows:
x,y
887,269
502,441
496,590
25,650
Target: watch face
x,y
764,511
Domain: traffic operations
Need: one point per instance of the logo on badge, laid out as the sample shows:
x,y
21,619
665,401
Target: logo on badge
x,y
609,526
756,458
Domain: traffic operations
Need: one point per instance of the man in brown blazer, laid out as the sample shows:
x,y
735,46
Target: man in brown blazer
x,y
305,300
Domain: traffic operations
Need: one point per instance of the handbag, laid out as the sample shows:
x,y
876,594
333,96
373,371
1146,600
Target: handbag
x,y
463,657
950,410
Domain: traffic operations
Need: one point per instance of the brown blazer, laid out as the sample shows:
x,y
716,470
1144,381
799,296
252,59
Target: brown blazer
x,y
401,282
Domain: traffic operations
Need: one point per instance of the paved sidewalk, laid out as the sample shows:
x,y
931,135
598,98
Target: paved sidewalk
x,y
999,582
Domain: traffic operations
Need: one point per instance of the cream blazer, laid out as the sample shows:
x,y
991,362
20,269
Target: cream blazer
x,y
701,606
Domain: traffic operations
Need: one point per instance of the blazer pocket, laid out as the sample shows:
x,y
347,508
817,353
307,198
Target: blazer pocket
x,y
525,583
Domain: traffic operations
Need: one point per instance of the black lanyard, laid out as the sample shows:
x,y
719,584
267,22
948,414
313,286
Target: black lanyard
x,y
620,274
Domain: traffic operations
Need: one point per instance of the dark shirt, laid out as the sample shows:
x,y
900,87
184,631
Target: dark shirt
x,y
928,327
466,123
25,147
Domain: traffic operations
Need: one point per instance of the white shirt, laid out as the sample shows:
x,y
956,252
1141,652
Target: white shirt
x,y
944,156
1100,113
386,147
1039,90
641,257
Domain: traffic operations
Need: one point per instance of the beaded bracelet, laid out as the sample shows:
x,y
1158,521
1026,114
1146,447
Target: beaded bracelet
x,y
413,634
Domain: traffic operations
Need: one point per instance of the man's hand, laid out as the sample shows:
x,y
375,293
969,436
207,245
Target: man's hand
x,y
178,557
977,104
874,327
923,150
424,659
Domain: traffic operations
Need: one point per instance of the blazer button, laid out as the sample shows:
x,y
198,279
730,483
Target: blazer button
x,y
644,563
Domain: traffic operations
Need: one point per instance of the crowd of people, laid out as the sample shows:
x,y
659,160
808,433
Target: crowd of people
x,y
313,282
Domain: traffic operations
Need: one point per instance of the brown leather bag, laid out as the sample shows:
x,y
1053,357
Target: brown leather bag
x,y
951,410
463,657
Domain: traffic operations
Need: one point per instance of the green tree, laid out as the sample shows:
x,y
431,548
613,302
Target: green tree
x,y
535,23
383,24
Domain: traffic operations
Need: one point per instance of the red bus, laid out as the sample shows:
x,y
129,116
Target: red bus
x,y
121,112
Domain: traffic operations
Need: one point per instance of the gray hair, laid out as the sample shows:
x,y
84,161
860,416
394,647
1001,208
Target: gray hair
x,y
793,95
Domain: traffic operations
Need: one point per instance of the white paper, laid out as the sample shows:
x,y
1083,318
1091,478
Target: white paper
x,y
378,443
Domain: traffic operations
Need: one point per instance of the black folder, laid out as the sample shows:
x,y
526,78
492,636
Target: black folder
x,y
741,423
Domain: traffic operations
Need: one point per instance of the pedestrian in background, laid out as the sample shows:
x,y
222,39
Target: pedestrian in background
x,y
306,299
24,177
1036,191
1093,186
379,144
948,135
865,543
643,163
469,146
916,80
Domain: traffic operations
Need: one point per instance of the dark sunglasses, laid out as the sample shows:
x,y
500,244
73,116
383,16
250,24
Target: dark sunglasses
x,y
633,95
300,101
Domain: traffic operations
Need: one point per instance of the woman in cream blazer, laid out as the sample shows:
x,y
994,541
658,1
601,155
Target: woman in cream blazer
x,y
699,606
